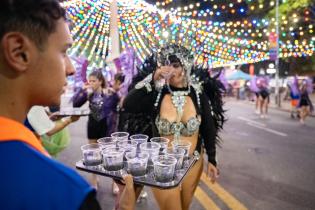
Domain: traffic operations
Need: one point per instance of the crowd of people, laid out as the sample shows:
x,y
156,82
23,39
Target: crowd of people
x,y
180,101
301,104
297,92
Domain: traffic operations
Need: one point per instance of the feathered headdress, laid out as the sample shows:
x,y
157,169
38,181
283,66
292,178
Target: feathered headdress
x,y
197,76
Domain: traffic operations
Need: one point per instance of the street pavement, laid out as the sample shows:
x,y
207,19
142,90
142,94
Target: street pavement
x,y
265,164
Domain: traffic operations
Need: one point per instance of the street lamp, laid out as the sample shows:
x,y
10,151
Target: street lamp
x,y
277,94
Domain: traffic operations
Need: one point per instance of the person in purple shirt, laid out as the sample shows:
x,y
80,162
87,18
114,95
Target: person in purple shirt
x,y
103,103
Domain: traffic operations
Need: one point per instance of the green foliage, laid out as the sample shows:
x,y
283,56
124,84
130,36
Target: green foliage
x,y
289,7
302,65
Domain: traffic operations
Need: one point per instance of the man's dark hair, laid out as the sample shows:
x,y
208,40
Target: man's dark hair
x,y
34,18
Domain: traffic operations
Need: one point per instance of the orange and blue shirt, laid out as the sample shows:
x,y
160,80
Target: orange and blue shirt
x,y
30,179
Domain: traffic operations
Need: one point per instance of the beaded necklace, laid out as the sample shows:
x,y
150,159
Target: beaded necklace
x,y
178,100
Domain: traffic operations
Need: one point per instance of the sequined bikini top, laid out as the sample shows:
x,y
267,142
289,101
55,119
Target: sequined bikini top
x,y
166,128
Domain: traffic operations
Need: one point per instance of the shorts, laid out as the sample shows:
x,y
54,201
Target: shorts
x,y
304,102
294,102
264,94
96,129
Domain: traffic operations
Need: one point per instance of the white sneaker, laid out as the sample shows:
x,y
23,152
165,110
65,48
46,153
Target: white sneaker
x,y
143,195
115,189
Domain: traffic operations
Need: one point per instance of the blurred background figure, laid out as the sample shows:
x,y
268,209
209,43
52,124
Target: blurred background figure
x,y
49,128
294,92
305,104
102,101
263,96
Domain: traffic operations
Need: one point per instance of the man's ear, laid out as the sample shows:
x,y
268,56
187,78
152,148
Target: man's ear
x,y
16,50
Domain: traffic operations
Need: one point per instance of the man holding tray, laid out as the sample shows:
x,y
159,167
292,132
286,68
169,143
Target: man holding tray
x,y
34,39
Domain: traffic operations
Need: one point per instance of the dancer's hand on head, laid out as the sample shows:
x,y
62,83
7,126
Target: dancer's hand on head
x,y
212,172
163,72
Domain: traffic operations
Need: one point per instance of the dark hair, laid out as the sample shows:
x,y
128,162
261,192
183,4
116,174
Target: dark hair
x,y
34,18
119,77
99,75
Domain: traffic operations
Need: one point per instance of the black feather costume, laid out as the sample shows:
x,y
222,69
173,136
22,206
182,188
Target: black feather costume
x,y
142,104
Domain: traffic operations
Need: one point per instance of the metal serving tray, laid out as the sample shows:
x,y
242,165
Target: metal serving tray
x,y
73,112
148,179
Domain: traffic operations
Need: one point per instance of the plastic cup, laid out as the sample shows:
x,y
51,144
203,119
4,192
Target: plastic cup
x,y
120,136
127,145
152,148
139,138
177,153
183,144
113,158
164,168
92,154
163,142
137,163
106,142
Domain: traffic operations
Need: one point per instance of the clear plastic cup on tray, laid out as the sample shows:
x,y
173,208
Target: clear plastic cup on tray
x,y
183,144
163,142
164,168
137,163
113,158
127,145
106,142
120,136
92,154
139,138
177,153
152,148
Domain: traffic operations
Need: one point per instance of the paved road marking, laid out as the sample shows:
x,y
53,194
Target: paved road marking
x,y
268,130
252,121
261,126
225,196
204,200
